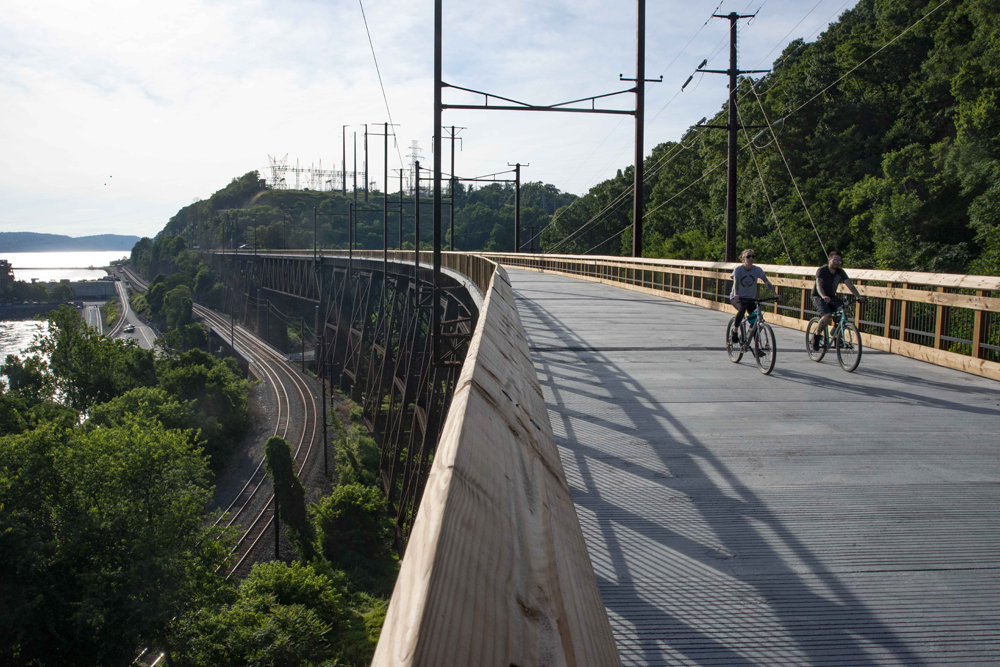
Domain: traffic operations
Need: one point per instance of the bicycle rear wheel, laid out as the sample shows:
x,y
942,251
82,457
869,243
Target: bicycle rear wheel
x,y
765,349
734,349
849,348
811,332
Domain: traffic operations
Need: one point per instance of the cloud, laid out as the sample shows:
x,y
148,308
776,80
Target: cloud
x,y
177,98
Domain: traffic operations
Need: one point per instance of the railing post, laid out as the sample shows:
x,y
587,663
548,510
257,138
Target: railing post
x,y
903,303
938,323
977,327
802,304
888,314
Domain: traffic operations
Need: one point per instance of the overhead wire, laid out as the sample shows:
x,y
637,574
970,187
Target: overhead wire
x,y
763,186
630,189
777,145
615,128
377,71
773,134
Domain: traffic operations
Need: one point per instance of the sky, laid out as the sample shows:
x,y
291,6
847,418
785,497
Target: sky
x,y
118,113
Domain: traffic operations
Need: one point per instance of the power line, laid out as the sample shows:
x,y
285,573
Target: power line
x,y
377,71
764,187
884,47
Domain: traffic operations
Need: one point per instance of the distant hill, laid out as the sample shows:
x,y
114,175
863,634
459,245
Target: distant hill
x,y
32,242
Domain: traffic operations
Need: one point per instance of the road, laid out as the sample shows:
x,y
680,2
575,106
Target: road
x,y
143,334
92,315
808,517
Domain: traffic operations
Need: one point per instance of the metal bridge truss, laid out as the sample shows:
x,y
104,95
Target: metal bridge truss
x,y
372,339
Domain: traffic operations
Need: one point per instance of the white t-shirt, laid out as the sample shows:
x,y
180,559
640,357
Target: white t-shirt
x,y
745,281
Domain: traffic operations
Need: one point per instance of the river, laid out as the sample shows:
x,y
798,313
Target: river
x,y
16,337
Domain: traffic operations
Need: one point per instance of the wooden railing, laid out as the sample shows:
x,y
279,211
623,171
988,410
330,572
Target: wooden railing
x,y
945,319
496,572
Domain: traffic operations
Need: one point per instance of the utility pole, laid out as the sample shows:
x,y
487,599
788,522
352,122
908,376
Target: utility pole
x,y
385,197
531,239
517,204
451,189
355,181
277,529
400,170
366,163
416,218
343,160
322,383
435,318
733,127
640,106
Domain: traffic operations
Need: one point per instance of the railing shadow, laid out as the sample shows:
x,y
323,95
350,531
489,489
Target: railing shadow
x,y
696,488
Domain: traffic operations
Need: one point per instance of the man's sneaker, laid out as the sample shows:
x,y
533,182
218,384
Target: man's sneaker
x,y
816,341
736,337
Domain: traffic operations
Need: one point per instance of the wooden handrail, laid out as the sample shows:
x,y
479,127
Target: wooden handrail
x,y
948,320
956,281
496,572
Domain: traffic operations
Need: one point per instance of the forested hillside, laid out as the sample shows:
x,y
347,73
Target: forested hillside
x,y
897,161
484,217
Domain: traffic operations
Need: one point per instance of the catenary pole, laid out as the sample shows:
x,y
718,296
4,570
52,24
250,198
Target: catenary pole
x,y
435,324
640,102
343,160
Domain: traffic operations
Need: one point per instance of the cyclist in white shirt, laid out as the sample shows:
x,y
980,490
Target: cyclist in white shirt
x,y
744,294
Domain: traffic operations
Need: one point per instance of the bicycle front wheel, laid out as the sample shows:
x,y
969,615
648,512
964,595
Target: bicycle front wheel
x,y
849,347
765,348
812,332
734,349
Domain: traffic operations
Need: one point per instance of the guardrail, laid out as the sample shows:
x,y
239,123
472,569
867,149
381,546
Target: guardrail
x,y
496,571
945,319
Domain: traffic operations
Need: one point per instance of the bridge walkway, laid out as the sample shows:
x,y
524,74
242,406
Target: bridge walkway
x,y
810,517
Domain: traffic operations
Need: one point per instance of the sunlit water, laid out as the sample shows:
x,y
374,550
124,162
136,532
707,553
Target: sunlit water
x,y
16,337
47,266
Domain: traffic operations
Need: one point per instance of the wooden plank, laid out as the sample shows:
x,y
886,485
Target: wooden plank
x,y
977,329
938,323
903,311
887,329
496,572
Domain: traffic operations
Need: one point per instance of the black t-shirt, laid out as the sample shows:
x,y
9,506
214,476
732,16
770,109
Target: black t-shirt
x,y
830,280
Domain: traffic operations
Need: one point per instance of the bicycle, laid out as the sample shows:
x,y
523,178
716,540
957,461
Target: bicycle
x,y
845,337
753,330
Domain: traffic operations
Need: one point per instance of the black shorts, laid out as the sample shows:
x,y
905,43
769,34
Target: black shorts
x,y
824,308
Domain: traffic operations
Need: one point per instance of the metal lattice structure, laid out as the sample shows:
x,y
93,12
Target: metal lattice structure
x,y
372,337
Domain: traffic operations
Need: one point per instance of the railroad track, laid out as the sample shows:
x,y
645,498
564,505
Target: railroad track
x,y
294,397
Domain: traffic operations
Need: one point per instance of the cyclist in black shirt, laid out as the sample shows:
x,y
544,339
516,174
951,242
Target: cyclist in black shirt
x,y
824,292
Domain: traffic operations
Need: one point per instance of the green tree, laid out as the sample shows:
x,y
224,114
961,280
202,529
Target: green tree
x,y
87,368
103,541
289,496
283,615
355,533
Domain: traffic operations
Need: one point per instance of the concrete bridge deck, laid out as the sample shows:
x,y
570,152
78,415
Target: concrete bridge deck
x,y
810,517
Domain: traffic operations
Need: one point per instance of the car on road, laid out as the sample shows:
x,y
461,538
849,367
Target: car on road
x,y
129,328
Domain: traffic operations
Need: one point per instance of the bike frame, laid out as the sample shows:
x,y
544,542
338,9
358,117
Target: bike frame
x,y
840,316
746,341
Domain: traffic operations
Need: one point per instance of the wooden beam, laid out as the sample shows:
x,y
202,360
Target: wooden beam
x,y
496,571
977,329
938,323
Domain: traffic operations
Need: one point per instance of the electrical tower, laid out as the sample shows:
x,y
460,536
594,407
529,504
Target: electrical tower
x,y
415,155
278,169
